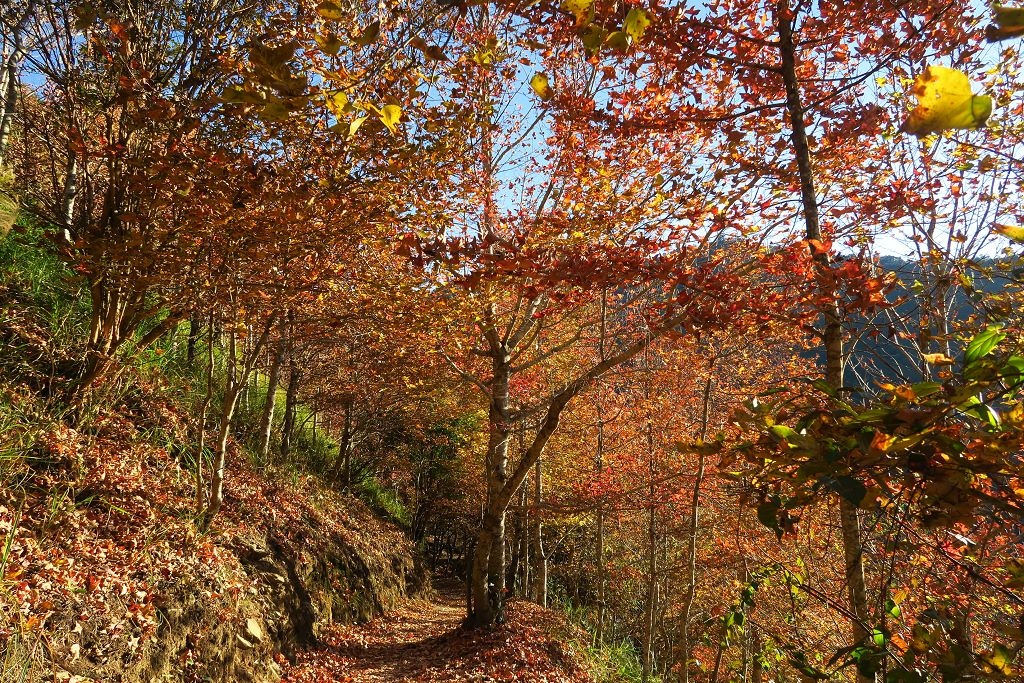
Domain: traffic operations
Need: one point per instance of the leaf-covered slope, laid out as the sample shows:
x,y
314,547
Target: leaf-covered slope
x,y
105,577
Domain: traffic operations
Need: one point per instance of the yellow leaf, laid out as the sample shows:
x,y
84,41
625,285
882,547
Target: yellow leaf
x,y
275,110
353,127
542,86
329,43
1014,232
390,115
368,35
636,23
905,392
945,101
617,40
581,9
937,358
330,10
337,103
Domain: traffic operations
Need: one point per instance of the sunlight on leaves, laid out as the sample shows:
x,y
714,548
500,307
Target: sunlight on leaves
x,y
945,102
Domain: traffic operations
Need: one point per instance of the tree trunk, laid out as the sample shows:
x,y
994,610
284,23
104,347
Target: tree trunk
x,y
10,71
291,402
540,560
237,372
200,501
691,541
193,338
652,567
599,467
832,337
343,465
266,425
501,490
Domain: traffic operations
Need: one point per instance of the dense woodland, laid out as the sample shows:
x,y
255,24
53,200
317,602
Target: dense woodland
x,y
698,322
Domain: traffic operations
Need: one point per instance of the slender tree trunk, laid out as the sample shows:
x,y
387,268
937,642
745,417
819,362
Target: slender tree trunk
x,y
67,209
10,95
832,337
10,71
291,402
523,576
540,560
227,413
652,566
343,465
599,467
203,413
237,373
266,425
193,338
691,541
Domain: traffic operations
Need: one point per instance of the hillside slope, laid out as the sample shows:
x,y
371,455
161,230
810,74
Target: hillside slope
x,y
104,575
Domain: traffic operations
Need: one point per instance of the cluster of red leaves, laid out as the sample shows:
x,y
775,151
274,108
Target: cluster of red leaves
x,y
423,641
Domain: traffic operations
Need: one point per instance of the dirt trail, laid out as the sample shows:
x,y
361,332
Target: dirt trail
x,y
422,642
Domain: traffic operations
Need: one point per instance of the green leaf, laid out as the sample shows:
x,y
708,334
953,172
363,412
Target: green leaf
x,y
879,637
784,433
825,388
982,344
945,101
637,21
999,660
274,110
922,389
592,37
617,40
892,609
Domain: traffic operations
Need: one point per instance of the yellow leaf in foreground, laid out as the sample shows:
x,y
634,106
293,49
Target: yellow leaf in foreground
x,y
542,86
636,23
390,114
945,101
1014,232
330,10
579,8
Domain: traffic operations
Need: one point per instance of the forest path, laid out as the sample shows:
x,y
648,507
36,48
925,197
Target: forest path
x,y
421,641
409,643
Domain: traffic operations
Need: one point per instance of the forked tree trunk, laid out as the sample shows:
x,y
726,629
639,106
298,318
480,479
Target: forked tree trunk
x,y
237,373
487,602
